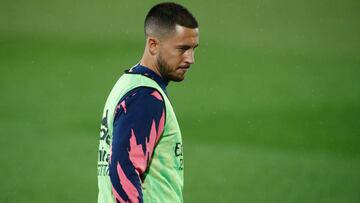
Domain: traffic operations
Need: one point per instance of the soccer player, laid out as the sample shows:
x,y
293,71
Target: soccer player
x,y
140,151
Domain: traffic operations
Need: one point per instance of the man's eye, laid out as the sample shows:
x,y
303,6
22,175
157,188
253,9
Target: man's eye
x,y
182,50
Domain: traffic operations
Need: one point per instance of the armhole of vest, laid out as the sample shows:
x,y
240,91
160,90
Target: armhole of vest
x,y
148,87
165,110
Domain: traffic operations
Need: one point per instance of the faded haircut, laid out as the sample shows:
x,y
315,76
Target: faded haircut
x,y
162,19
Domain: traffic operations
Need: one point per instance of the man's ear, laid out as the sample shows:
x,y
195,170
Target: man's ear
x,y
153,45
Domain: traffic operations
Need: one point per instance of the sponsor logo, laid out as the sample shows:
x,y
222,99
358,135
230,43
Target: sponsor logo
x,y
104,149
179,154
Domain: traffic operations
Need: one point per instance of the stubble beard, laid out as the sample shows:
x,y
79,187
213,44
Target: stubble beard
x,y
165,70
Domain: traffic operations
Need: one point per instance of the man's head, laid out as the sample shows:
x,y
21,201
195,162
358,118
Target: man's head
x,y
171,37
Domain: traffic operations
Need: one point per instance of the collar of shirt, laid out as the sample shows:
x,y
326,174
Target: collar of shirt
x,y
139,69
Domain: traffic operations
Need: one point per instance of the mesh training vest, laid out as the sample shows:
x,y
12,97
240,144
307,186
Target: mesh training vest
x,y
164,179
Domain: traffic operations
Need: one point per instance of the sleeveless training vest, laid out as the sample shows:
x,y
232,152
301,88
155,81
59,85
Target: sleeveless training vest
x,y
164,178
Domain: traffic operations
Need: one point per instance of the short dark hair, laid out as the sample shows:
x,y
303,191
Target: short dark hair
x,y
162,19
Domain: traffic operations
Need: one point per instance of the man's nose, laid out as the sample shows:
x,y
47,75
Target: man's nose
x,y
189,56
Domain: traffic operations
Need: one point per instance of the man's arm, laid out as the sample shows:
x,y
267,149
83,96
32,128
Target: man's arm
x,y
138,125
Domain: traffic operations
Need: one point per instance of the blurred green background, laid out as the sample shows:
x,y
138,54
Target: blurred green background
x,y
270,112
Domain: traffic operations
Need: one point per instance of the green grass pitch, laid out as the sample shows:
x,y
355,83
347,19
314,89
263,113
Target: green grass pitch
x,y
270,111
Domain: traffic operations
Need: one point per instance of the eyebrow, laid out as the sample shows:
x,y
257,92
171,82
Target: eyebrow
x,y
186,46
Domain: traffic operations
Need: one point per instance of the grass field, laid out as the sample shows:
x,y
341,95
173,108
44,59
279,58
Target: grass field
x,y
270,112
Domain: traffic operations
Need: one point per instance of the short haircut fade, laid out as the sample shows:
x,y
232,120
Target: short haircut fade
x,y
162,19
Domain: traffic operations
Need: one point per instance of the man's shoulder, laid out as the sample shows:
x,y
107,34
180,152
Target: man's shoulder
x,y
143,92
141,99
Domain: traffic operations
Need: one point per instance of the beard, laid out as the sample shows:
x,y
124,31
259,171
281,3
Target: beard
x,y
167,72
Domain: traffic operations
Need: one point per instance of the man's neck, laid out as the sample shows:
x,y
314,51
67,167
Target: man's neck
x,y
141,69
150,64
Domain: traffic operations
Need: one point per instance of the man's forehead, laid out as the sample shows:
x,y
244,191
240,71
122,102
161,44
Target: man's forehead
x,y
186,35
183,28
